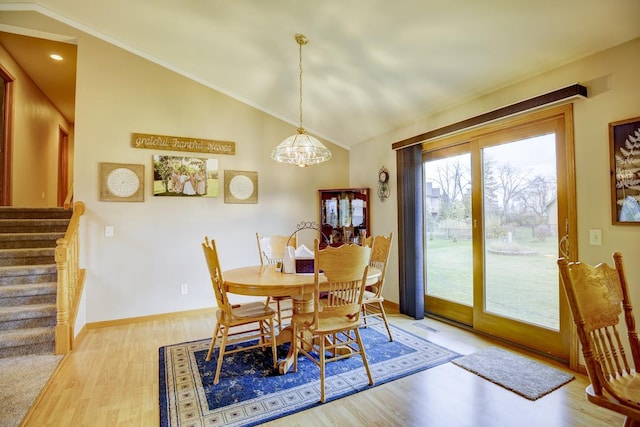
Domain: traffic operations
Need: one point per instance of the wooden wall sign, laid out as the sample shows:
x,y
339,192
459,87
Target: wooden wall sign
x,y
179,143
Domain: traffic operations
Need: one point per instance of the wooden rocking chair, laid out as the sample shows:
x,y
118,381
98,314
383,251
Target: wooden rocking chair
x,y
597,296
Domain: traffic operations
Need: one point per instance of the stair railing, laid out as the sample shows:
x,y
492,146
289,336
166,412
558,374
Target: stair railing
x,y
70,281
69,198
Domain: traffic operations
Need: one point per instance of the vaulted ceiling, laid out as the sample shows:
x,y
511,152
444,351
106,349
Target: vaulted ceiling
x,y
370,66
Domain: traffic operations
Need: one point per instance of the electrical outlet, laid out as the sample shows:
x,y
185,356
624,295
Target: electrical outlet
x,y
184,289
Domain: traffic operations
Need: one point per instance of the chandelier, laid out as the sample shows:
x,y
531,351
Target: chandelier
x,y
301,149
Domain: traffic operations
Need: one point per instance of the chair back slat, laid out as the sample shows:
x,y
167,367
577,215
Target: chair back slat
x,y
610,352
343,293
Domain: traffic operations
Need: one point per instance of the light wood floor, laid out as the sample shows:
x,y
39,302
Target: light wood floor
x,y
111,379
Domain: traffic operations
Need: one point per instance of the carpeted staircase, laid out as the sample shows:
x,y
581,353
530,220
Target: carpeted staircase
x,y
28,278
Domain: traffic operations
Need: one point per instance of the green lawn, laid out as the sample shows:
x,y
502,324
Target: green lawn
x,y
517,286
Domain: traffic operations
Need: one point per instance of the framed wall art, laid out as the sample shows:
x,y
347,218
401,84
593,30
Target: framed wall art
x,y
624,147
121,182
240,186
185,177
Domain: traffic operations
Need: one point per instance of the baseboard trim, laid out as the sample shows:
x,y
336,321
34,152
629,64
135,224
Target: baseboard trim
x,y
97,325
164,316
152,317
391,305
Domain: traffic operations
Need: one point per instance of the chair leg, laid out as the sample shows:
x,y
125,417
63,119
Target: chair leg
x,y
274,349
223,347
213,341
363,355
266,326
322,370
295,344
386,322
364,315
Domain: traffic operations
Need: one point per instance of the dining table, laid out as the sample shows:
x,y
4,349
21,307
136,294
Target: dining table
x,y
268,281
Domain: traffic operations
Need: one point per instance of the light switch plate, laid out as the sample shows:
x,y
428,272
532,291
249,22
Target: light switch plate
x,y
595,237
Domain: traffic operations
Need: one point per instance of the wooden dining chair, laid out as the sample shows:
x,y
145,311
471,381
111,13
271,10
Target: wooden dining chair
x,y
597,297
236,323
330,332
271,250
373,301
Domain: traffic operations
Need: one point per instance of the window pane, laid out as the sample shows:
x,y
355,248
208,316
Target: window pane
x,y
449,249
520,230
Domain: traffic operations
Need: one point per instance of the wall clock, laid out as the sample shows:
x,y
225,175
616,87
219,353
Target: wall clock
x,y
121,182
383,184
240,186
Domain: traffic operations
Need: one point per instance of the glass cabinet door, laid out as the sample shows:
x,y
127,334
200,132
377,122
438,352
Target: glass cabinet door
x,y
344,215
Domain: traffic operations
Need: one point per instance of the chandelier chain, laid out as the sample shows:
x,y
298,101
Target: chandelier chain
x,y
300,43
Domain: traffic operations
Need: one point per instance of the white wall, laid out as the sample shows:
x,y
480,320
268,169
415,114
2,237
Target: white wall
x,y
614,93
156,246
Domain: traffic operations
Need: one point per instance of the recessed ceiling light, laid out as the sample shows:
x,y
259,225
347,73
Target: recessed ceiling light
x,y
56,57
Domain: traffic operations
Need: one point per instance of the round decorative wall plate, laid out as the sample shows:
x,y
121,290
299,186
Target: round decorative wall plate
x,y
240,186
121,182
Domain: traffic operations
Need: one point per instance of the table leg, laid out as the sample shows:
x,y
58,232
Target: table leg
x,y
301,304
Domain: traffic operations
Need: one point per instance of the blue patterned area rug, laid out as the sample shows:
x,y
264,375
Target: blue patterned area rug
x,y
250,392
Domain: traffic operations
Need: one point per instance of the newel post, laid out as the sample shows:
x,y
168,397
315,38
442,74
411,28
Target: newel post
x,y
63,329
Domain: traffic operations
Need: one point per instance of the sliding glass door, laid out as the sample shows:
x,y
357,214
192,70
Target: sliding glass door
x,y
496,206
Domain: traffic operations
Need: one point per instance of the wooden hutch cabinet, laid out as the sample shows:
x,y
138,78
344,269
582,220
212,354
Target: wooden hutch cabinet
x,y
344,215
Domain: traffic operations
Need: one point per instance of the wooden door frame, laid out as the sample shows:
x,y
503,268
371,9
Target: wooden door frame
x,y
7,138
63,165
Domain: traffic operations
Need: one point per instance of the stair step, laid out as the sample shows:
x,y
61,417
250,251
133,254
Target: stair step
x,y
23,274
26,256
16,225
7,212
27,341
29,240
37,293
27,316
25,336
32,311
